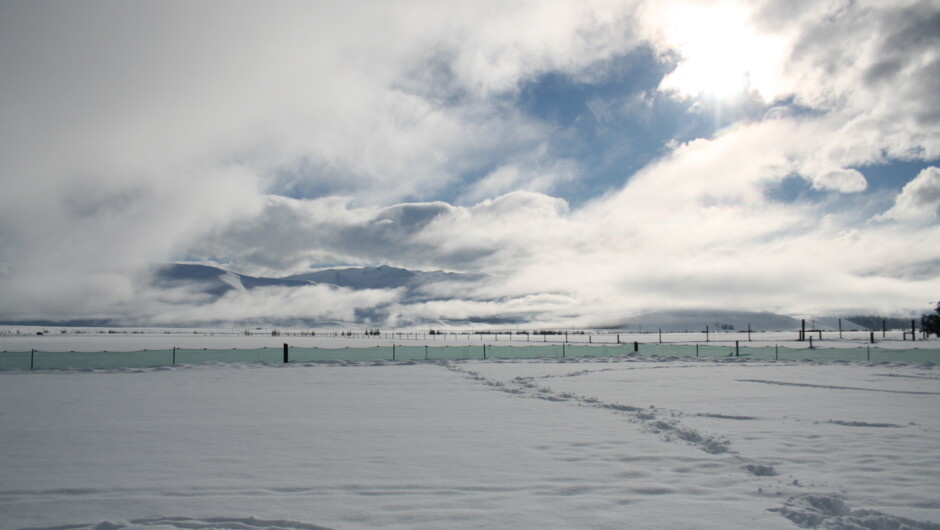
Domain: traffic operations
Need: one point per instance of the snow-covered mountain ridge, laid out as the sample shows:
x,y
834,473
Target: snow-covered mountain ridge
x,y
217,281
419,287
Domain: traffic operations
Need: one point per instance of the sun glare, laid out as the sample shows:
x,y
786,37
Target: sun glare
x,y
721,54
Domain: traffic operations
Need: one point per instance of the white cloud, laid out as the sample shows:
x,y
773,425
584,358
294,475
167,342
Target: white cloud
x,y
867,68
835,179
919,200
120,147
720,52
533,176
316,303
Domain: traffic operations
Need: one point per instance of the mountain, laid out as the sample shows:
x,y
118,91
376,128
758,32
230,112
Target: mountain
x,y
877,323
216,282
212,280
696,320
202,285
382,277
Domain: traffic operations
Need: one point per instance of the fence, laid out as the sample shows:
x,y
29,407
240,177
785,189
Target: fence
x,y
42,360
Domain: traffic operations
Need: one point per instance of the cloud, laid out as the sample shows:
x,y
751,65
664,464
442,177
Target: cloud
x,y
270,140
836,179
866,69
287,235
665,241
302,305
530,177
919,200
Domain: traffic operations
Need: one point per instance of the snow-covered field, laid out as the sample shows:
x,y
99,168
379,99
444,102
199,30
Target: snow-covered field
x,y
574,443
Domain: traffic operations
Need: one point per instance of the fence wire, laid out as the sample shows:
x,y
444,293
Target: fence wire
x,y
43,360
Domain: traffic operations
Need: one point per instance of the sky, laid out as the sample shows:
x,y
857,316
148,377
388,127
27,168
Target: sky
x,y
594,159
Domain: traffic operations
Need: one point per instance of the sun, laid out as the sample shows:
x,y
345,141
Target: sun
x,y
721,53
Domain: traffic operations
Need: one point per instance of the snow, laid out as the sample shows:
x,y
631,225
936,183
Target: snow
x,y
564,443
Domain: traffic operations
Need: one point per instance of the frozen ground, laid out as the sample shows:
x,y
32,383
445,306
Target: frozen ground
x,y
589,443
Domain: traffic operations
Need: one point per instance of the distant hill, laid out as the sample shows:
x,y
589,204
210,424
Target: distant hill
x,y
696,320
216,282
876,323
213,280
382,277
415,287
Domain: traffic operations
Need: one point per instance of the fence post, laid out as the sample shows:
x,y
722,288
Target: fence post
x,y
393,352
32,355
285,353
696,351
484,351
425,352
913,331
636,346
562,350
776,352
174,355
737,350
660,335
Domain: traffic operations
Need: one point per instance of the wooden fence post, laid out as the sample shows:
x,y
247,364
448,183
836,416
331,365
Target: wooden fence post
x,y
285,353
